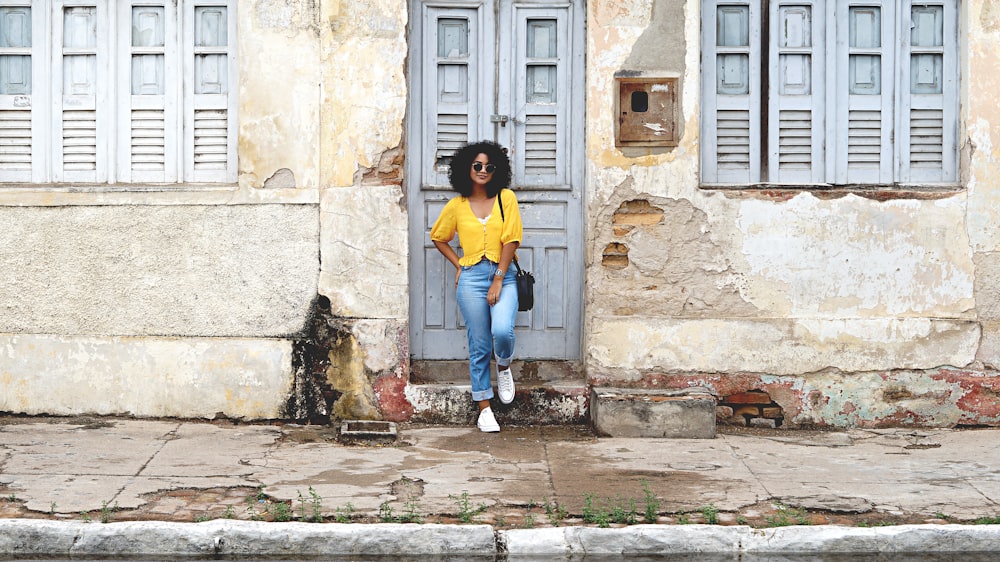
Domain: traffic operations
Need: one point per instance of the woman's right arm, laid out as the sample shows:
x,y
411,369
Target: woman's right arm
x,y
449,254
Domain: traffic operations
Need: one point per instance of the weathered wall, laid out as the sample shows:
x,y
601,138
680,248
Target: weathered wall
x,y
195,301
863,304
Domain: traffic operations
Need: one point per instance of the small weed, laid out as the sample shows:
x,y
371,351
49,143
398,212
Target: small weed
x,y
865,523
711,514
282,512
52,508
465,511
344,513
944,516
624,512
652,510
995,520
107,512
683,519
740,520
501,521
311,509
589,511
787,516
12,498
85,517
229,513
202,518
411,513
256,504
554,512
529,520
385,512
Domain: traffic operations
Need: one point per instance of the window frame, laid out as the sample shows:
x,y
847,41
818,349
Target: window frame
x,y
741,124
171,113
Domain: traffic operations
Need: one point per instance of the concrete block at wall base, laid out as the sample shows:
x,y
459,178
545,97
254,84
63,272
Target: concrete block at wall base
x,y
626,412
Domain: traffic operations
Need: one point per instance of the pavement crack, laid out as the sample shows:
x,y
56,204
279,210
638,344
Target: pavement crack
x,y
166,438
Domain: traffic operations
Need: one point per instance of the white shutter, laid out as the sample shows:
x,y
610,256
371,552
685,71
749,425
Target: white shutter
x,y
210,111
928,116
451,85
16,99
796,93
148,139
540,95
730,129
864,92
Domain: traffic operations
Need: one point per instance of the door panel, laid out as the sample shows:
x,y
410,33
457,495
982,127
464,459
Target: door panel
x,y
526,94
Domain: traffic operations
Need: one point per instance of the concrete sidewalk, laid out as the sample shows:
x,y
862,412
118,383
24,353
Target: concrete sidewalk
x,y
520,482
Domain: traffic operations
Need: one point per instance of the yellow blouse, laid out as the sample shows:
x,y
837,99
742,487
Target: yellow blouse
x,y
477,239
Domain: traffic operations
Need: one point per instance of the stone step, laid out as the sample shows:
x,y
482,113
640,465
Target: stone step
x,y
629,412
547,393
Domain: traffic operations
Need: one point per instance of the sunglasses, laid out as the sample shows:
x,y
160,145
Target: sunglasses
x,y
478,166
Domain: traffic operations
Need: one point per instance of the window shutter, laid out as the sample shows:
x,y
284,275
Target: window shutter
x,y
81,63
797,85
210,115
928,145
16,100
731,93
449,86
864,92
147,142
542,58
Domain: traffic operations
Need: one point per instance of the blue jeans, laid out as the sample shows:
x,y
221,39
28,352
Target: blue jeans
x,y
490,328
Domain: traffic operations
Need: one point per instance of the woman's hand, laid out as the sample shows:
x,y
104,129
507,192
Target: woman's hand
x,y
493,295
458,273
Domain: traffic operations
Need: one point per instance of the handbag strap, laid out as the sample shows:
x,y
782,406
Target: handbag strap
x,y
503,219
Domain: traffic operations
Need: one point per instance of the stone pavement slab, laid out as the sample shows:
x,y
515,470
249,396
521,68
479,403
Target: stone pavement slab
x,y
186,470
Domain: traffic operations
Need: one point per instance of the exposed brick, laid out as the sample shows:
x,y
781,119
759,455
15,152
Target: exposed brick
x,y
615,256
638,212
772,413
749,397
747,411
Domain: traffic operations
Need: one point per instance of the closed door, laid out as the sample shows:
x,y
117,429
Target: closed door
x,y
511,72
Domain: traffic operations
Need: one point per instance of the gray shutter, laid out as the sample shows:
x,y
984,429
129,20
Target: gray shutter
x,y
81,64
16,100
864,92
540,91
210,103
148,136
452,87
797,93
928,89
730,130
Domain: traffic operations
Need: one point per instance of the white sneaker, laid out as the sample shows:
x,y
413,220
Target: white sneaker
x,y
487,422
505,385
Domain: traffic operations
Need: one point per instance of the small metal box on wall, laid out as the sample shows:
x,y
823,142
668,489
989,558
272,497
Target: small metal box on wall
x,y
648,111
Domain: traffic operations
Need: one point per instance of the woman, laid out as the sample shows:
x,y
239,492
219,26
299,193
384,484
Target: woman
x,y
486,287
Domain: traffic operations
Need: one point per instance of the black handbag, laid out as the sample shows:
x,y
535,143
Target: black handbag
x,y
525,280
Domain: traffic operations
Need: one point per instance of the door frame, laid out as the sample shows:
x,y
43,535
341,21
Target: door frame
x,y
576,150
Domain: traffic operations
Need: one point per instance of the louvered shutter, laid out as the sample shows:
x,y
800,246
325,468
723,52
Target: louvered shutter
x,y
81,119
450,87
16,99
210,111
797,93
928,116
730,130
864,92
148,140
540,84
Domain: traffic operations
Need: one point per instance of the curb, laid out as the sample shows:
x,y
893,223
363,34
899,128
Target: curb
x,y
649,540
257,539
